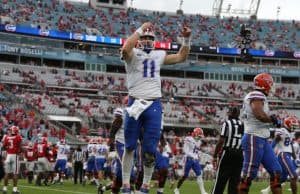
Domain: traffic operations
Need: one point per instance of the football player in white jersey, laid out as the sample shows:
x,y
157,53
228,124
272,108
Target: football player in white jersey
x,y
101,158
61,160
91,162
191,150
285,152
256,149
117,136
144,107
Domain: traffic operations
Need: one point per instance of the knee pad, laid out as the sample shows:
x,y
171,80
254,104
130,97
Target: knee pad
x,y
275,180
245,184
149,160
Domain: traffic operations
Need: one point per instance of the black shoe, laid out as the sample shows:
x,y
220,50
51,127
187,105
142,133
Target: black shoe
x,y
45,182
100,191
38,183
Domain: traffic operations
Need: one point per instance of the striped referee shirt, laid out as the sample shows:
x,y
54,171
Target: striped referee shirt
x,y
78,156
232,130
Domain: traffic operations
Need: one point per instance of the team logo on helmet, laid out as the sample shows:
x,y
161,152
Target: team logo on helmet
x,y
291,123
198,133
263,81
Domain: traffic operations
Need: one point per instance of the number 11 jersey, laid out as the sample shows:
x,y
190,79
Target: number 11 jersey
x,y
143,74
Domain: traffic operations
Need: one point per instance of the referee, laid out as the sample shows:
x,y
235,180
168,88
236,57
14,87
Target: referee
x,y
230,154
78,157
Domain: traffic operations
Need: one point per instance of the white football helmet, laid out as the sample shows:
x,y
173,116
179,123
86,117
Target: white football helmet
x,y
147,40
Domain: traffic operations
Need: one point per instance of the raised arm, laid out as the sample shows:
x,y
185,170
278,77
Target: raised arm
x,y
126,50
183,53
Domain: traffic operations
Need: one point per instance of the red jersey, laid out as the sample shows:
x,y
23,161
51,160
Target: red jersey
x,y
30,154
12,144
41,149
52,153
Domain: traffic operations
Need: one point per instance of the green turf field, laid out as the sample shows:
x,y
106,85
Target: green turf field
x,y
189,187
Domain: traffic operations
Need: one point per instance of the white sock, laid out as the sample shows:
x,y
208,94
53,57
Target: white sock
x,y
97,182
4,188
201,184
161,190
15,189
56,178
268,189
147,175
127,162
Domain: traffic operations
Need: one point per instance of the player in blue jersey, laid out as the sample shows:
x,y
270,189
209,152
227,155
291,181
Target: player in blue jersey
x,y
144,108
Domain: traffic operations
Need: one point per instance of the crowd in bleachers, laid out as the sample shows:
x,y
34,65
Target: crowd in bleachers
x,y
31,126
186,108
207,30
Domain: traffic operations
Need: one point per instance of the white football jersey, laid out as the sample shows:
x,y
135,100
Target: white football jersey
x,y
166,150
252,125
143,74
191,147
285,144
62,151
92,149
102,150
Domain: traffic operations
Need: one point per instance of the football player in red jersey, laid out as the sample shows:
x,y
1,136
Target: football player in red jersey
x,y
12,145
42,148
30,156
51,155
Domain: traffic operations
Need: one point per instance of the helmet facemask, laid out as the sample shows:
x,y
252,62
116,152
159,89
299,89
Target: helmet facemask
x,y
146,43
147,40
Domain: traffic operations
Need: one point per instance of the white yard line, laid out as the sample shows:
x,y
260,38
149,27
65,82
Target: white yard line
x,y
48,189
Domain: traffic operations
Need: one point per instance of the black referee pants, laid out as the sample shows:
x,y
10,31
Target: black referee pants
x,y
229,170
78,169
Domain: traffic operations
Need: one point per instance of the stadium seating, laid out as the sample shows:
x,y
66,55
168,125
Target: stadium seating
x,y
207,30
192,102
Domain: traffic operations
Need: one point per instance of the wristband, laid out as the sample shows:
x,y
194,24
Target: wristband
x,y
186,41
139,31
